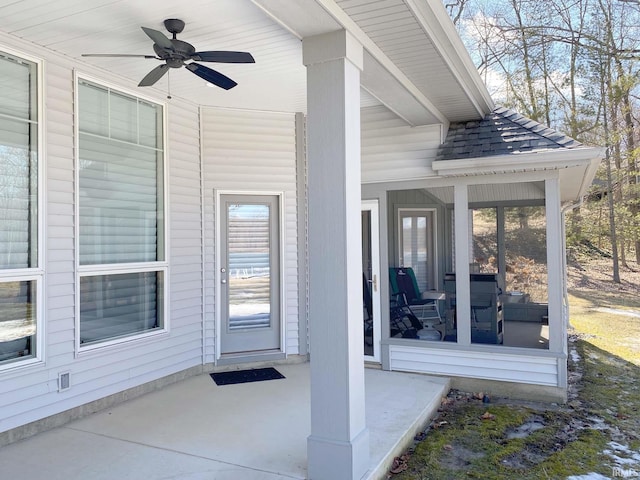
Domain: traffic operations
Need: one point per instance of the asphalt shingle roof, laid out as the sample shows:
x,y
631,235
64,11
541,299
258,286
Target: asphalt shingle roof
x,y
502,132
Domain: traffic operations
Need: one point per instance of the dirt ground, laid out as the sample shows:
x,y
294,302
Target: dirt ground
x,y
595,273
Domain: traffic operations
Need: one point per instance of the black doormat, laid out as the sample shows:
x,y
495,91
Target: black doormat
x,y
246,376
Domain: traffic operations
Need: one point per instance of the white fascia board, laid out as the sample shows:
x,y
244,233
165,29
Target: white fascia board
x,y
590,174
305,18
548,159
439,27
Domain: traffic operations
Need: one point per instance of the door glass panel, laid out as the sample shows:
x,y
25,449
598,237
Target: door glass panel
x,y
367,279
417,246
249,262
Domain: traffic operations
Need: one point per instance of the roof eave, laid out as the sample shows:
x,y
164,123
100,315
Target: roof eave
x,y
446,39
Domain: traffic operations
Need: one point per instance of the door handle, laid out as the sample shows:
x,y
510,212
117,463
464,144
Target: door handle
x,y
224,280
374,283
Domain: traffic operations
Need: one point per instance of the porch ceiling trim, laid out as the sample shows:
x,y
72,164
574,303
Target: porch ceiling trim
x,y
314,17
552,159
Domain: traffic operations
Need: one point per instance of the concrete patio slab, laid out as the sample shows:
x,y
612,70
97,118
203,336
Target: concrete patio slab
x,y
195,429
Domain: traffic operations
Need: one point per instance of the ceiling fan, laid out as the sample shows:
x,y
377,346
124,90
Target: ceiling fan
x,y
175,53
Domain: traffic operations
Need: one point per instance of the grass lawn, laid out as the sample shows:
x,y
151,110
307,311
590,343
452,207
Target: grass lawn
x,y
595,436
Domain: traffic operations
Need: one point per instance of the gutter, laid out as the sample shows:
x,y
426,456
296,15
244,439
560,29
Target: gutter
x,y
552,159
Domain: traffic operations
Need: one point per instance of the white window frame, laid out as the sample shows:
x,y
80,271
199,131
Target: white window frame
x,y
122,268
34,274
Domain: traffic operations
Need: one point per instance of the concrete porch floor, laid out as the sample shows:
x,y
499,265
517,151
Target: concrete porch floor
x,y
195,429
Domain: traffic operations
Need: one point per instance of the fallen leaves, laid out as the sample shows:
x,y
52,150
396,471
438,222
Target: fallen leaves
x,y
400,464
488,416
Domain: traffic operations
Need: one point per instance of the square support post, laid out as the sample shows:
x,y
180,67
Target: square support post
x,y
338,447
463,284
555,244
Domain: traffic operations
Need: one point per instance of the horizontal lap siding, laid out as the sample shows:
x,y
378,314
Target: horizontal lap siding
x,y
392,150
30,393
247,151
185,231
527,369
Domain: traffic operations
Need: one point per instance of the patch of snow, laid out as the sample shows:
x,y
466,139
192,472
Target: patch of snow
x,y
628,313
598,423
575,356
631,458
589,476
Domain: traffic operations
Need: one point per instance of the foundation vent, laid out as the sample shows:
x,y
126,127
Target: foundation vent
x,y
63,381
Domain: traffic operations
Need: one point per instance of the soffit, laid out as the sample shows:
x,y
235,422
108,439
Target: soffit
x,y
399,29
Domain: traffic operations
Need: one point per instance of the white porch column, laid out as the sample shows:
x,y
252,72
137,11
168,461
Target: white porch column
x,y
462,236
338,447
555,242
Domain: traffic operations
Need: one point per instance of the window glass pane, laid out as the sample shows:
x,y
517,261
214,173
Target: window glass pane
x,y
150,125
17,320
17,88
119,305
118,202
249,263
123,118
416,250
93,109
18,166
121,181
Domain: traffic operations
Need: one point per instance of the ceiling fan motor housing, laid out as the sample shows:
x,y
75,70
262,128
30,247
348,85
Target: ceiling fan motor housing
x,y
174,25
181,51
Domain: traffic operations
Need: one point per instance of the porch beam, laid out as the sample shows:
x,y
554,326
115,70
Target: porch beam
x,y
338,446
463,284
381,77
555,242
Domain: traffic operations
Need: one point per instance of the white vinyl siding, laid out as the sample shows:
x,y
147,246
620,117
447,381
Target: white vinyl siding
x,y
20,199
392,150
30,394
121,214
252,152
538,369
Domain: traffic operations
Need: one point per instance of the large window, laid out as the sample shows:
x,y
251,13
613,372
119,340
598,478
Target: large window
x,y
20,273
121,215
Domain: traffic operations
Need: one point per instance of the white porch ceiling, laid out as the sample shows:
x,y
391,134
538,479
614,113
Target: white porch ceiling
x,y
409,71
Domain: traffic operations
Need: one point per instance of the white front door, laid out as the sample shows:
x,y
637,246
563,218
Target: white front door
x,y
371,279
249,273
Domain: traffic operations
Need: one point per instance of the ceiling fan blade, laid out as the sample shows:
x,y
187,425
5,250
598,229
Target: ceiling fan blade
x,y
158,38
211,76
154,75
117,55
224,57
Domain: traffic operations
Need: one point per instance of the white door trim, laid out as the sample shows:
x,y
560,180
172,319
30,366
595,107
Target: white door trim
x,y
217,194
373,207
